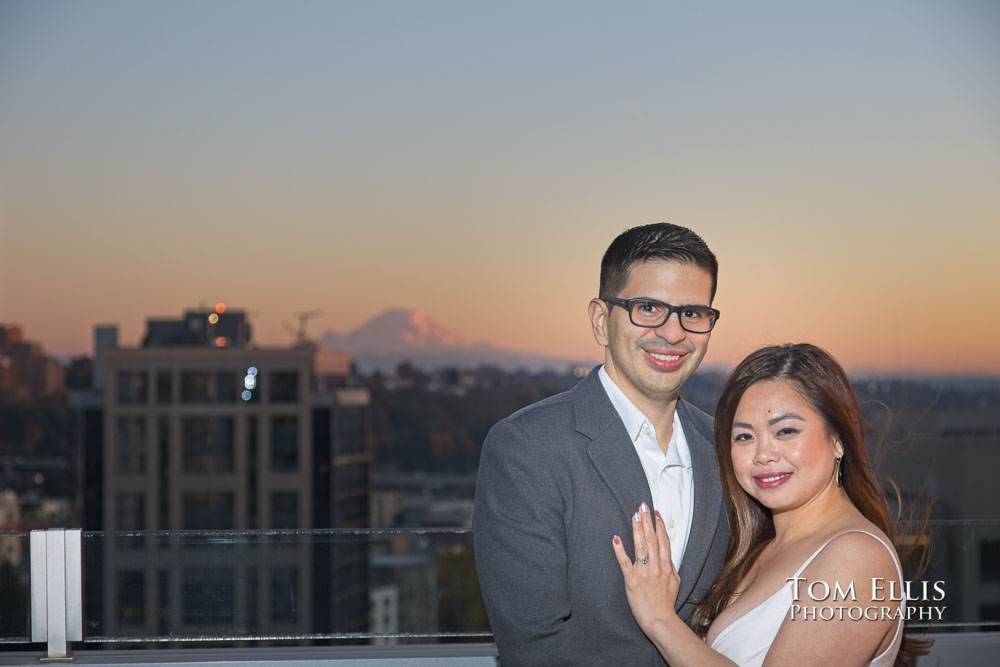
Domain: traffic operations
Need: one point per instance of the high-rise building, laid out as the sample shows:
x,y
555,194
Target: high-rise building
x,y
105,338
203,431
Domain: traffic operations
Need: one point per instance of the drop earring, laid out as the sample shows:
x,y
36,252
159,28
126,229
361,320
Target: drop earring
x,y
839,474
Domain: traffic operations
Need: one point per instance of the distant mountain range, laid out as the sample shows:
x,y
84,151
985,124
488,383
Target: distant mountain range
x,y
402,334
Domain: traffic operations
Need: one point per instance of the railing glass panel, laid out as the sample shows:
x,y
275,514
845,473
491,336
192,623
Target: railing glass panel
x,y
960,589
345,585
15,588
372,586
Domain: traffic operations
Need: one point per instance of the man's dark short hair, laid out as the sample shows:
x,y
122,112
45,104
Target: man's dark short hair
x,y
661,240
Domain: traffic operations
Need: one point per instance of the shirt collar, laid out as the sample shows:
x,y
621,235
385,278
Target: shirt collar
x,y
631,415
634,419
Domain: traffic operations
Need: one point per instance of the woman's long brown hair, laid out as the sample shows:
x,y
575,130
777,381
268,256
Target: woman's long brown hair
x,y
824,384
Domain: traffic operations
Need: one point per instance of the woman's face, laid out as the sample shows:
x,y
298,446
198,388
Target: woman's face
x,y
782,453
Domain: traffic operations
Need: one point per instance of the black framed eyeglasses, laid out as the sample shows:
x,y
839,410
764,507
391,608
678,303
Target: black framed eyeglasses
x,y
650,313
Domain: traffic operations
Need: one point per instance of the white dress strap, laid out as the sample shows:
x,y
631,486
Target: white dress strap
x,y
747,639
887,657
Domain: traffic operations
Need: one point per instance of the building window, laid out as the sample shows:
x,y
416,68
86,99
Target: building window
x,y
284,594
164,387
284,443
285,510
130,511
163,591
207,511
252,472
284,386
253,600
208,387
132,387
209,596
163,472
349,423
207,444
195,386
989,560
225,387
352,479
131,597
130,445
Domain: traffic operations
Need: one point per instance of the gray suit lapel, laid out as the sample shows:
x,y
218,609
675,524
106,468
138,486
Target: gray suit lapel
x,y
707,499
613,456
610,450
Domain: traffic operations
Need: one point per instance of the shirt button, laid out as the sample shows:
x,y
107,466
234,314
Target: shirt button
x,y
671,523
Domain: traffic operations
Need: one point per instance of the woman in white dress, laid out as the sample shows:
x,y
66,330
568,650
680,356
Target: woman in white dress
x,y
811,570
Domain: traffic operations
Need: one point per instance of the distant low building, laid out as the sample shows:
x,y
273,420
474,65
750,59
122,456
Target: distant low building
x,y
384,616
26,373
422,500
413,577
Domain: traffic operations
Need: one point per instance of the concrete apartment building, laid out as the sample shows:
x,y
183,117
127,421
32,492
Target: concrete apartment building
x,y
198,430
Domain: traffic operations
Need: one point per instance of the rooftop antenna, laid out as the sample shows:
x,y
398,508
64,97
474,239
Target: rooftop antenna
x,y
303,317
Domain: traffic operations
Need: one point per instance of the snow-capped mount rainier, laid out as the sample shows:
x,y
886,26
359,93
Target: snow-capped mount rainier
x,y
403,334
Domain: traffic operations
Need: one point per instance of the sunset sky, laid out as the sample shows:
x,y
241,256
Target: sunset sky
x,y
473,161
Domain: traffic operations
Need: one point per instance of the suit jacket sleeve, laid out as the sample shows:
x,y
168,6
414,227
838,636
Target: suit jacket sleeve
x,y
521,552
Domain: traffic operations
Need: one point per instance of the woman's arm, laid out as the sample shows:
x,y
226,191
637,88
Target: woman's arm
x,y
651,585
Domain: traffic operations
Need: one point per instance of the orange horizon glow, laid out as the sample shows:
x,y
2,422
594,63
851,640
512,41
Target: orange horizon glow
x,y
893,351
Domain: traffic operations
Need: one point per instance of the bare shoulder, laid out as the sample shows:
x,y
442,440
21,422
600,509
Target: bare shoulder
x,y
842,612
855,556
865,542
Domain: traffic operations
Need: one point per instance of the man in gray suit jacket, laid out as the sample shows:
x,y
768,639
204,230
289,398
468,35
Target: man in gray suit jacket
x,y
560,478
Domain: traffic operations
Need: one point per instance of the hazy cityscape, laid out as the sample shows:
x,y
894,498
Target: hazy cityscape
x,y
228,489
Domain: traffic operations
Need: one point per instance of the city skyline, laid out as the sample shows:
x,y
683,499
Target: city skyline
x,y
474,162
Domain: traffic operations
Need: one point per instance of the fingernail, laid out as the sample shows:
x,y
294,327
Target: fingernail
x,y
644,508
636,518
618,540
657,513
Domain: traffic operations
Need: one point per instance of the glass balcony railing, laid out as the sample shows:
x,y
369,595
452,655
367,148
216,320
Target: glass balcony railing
x,y
960,588
345,586
366,587
15,593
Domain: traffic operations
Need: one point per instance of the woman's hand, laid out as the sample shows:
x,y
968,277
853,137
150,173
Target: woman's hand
x,y
651,583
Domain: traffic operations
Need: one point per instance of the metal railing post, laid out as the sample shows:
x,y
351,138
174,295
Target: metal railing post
x,y
56,590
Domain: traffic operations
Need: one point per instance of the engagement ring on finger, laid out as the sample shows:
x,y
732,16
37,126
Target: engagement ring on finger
x,y
643,560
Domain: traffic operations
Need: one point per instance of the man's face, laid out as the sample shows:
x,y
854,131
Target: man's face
x,y
651,365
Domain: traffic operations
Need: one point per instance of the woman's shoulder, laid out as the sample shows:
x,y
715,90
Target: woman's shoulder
x,y
852,573
858,552
859,536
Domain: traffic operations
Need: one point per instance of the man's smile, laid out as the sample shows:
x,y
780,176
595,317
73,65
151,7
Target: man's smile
x,y
665,360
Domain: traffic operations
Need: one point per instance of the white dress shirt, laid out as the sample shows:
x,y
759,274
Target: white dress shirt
x,y
670,477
